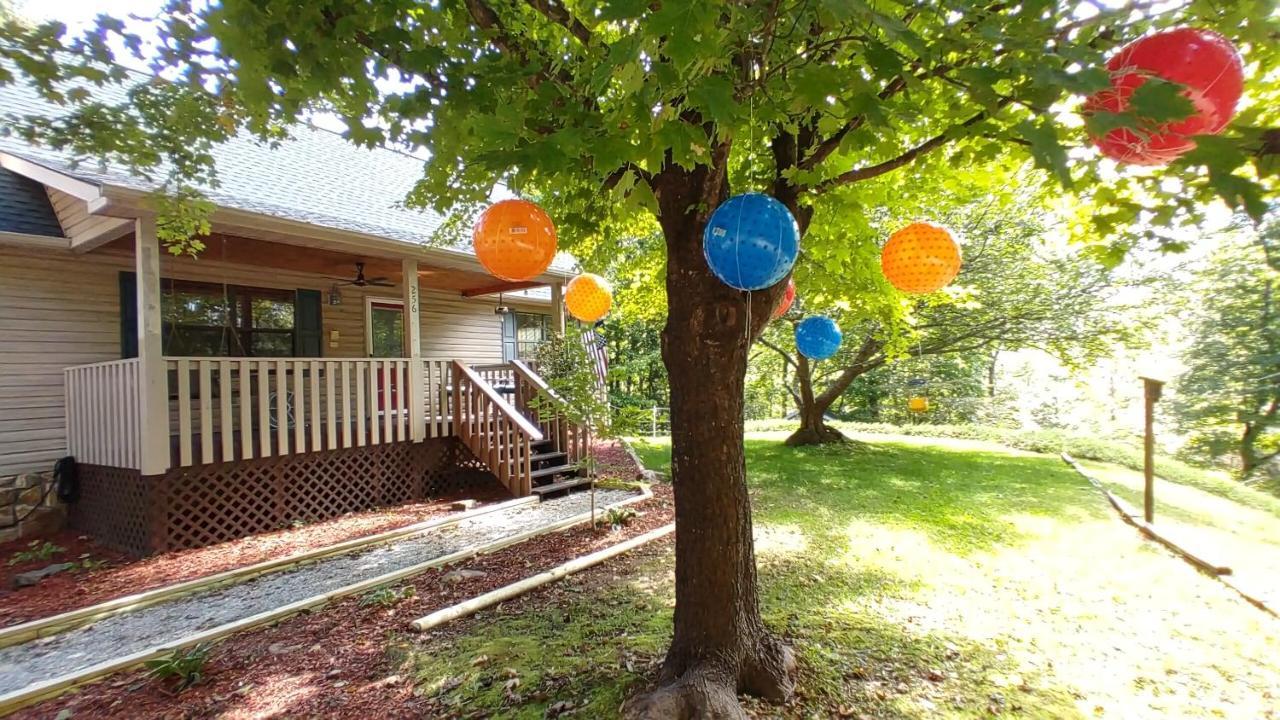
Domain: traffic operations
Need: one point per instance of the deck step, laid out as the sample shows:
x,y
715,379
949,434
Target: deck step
x,y
547,456
553,470
565,484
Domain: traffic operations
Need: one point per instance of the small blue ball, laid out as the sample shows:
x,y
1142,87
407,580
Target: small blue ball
x,y
818,337
751,241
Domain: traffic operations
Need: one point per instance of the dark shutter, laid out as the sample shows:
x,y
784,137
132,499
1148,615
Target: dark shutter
x,y
508,336
128,315
308,324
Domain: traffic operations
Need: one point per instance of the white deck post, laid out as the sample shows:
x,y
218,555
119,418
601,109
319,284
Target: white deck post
x,y
413,347
557,308
153,381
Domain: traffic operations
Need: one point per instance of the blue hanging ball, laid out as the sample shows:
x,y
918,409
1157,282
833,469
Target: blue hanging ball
x,y
817,337
751,241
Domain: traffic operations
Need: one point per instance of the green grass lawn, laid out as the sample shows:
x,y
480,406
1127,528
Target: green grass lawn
x,y
917,579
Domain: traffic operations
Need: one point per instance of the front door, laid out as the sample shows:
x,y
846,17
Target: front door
x,y
386,340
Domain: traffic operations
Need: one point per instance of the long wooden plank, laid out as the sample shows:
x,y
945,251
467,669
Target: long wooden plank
x,y
63,622
264,409
314,369
375,404
360,414
246,409
282,407
299,409
56,686
388,401
331,418
205,371
346,404
184,413
226,420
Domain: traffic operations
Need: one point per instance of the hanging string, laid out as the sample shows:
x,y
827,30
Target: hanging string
x,y
751,174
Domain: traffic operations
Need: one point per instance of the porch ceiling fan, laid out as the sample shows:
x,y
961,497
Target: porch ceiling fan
x,y
361,281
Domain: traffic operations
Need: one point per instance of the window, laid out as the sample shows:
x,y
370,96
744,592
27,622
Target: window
x,y
205,319
531,331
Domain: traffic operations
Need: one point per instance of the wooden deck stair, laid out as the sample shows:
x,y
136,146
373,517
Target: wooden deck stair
x,y
510,420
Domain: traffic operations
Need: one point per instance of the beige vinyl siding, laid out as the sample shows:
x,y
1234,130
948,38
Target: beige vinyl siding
x,y
59,310
55,311
75,219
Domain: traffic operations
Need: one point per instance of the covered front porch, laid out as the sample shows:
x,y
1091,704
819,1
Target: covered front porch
x,y
180,450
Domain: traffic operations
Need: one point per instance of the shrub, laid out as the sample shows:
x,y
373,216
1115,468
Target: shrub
x,y
186,666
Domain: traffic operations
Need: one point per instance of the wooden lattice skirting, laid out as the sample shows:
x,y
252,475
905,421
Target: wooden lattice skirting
x,y
207,504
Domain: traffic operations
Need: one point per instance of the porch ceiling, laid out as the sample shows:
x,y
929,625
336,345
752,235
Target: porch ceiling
x,y
334,266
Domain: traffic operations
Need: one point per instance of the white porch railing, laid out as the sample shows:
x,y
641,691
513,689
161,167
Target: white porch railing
x,y
103,416
226,409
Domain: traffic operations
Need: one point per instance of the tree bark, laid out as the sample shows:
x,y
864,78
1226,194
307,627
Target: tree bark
x,y
720,644
813,428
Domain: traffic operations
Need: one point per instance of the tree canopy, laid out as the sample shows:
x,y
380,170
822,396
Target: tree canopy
x,y
615,113
1228,399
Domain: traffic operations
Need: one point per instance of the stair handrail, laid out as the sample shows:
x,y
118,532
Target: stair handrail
x,y
537,381
496,432
522,423
570,437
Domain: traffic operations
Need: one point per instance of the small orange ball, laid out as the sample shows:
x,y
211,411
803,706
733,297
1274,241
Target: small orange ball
x,y
588,297
514,240
920,258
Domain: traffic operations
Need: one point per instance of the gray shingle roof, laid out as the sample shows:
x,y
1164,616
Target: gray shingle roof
x,y
25,207
316,177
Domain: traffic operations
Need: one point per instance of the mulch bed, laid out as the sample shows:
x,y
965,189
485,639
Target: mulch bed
x,y
333,663
122,575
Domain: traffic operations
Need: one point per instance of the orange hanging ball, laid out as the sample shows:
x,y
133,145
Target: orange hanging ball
x,y
920,258
514,240
588,297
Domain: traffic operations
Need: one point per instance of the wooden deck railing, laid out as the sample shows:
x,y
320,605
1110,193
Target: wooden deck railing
x,y
226,409
102,411
494,430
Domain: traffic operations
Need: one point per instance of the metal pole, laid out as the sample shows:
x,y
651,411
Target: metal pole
x,y
653,432
1150,395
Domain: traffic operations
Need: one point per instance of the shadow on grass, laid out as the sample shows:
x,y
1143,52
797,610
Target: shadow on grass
x,y
589,644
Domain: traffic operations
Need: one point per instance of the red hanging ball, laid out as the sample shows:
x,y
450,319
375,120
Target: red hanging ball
x,y
1206,63
788,297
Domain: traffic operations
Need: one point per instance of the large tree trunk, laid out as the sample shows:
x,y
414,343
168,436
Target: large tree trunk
x,y
720,645
813,428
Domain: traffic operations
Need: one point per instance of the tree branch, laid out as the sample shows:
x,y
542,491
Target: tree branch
x,y
870,171
778,350
559,14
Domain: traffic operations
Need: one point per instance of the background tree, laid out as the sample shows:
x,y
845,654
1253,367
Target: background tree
x,y
1015,290
1228,399
610,109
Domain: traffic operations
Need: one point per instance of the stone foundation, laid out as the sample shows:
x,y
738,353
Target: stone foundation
x,y
21,497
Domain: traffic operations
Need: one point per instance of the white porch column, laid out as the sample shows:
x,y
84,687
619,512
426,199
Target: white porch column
x,y
557,307
413,349
153,378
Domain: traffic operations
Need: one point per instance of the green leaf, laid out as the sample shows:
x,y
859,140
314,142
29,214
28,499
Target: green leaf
x,y
883,60
623,9
714,95
1160,101
1046,149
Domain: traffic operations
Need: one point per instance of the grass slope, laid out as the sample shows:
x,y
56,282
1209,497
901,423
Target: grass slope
x,y
917,579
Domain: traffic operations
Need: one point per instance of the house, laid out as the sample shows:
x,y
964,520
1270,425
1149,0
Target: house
x,y
317,358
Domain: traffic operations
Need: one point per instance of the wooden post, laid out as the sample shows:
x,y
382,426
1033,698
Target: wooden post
x,y
153,377
557,308
413,350
1150,395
